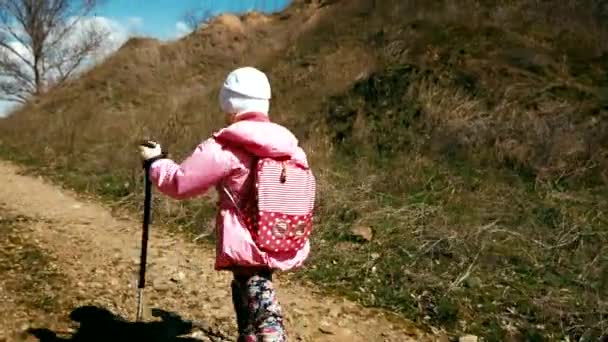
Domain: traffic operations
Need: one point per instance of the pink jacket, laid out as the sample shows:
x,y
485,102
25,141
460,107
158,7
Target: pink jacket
x,y
225,160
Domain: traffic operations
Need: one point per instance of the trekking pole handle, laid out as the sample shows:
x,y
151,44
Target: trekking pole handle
x,y
146,163
148,144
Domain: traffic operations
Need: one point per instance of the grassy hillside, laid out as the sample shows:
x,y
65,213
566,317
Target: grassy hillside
x,y
461,150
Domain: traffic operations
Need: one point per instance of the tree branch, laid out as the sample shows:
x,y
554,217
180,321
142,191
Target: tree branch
x,y
15,53
72,58
198,16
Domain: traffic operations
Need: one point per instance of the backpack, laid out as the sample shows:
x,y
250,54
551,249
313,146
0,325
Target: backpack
x,y
279,211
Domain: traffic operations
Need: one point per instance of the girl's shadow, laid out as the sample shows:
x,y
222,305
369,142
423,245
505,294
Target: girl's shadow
x,y
99,324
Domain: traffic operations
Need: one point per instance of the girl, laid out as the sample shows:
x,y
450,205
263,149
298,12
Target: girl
x,y
225,161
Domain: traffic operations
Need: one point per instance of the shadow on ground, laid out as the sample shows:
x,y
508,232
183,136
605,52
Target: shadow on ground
x,y
97,324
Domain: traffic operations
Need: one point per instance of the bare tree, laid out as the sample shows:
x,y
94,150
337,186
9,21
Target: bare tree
x,y
196,17
43,43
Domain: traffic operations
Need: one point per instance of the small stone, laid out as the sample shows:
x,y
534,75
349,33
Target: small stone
x,y
364,232
468,338
326,328
473,282
443,338
337,333
298,311
334,312
180,276
160,286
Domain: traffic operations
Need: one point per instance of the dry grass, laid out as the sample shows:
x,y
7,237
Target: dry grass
x,y
33,286
471,139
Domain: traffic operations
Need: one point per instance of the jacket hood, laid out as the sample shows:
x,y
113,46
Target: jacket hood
x,y
257,135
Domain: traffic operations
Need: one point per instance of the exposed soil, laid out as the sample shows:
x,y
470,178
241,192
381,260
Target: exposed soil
x,y
58,252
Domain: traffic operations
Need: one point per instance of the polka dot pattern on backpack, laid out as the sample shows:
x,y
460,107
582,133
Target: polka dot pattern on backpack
x,y
283,233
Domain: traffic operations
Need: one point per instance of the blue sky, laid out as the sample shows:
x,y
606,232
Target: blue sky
x,y
160,18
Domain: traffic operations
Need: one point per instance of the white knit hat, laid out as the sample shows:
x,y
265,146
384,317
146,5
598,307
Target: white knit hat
x,y
245,89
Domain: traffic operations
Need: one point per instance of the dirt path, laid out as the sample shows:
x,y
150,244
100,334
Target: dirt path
x,y
69,252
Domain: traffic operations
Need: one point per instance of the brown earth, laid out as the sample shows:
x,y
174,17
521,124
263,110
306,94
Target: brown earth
x,y
61,252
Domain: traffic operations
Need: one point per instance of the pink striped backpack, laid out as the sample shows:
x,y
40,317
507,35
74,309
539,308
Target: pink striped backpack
x,y
280,213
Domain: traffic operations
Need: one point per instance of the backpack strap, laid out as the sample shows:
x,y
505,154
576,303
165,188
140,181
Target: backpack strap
x,y
231,197
237,203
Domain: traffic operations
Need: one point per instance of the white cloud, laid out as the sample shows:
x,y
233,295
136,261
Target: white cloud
x,y
135,22
133,25
7,107
118,35
181,29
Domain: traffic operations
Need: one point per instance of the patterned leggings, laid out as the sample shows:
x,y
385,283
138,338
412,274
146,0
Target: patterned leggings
x,y
258,312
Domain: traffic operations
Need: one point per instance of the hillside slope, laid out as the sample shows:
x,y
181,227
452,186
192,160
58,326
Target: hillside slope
x,y
462,151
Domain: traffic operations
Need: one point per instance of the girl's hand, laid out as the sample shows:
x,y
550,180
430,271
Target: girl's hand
x,y
150,150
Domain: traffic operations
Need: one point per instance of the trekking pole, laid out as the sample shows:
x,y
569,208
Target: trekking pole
x,y
144,238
